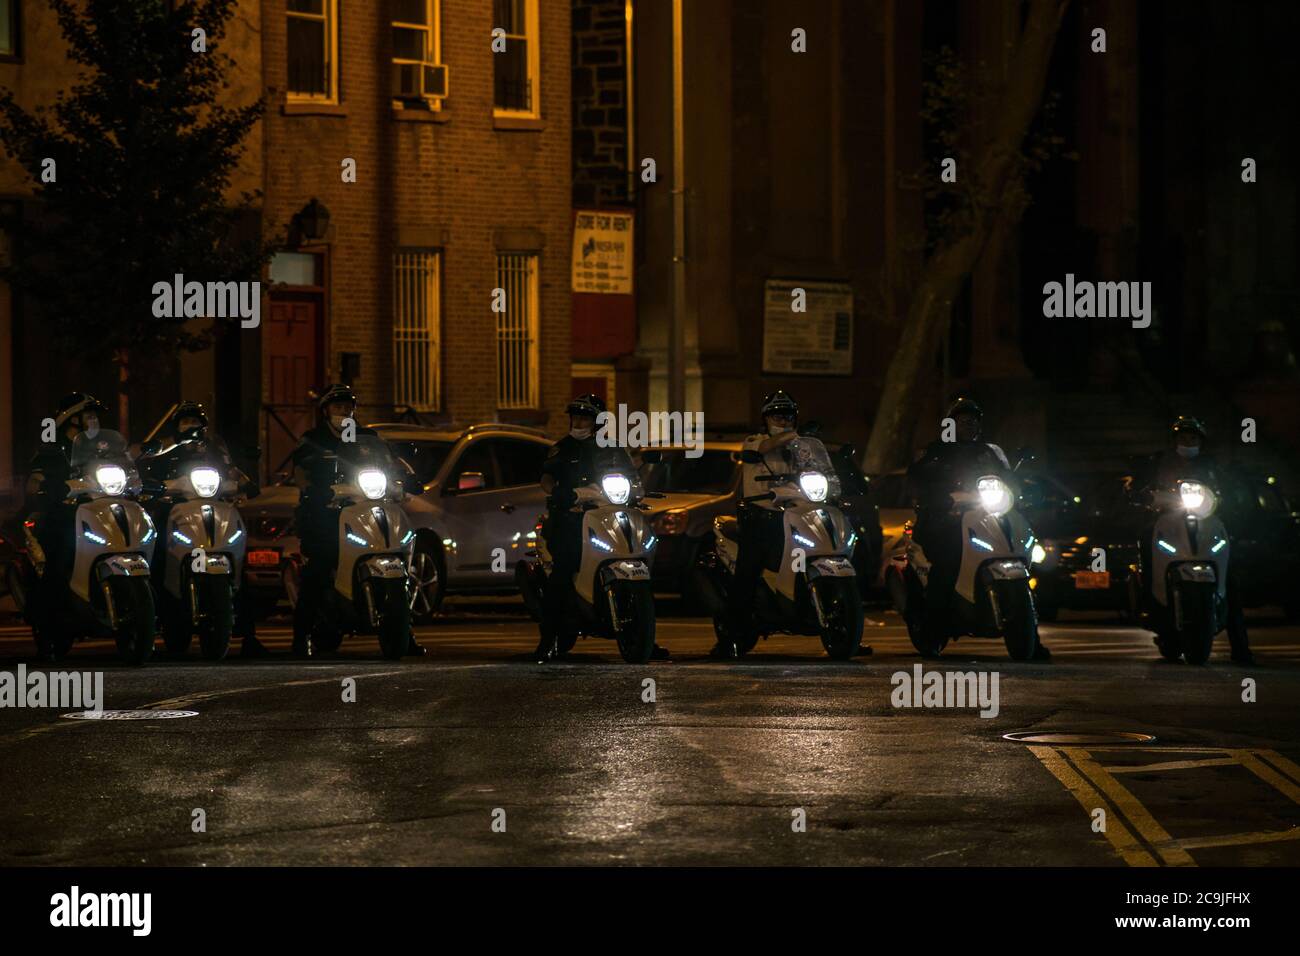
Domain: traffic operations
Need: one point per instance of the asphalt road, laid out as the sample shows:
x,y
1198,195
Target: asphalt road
x,y
475,755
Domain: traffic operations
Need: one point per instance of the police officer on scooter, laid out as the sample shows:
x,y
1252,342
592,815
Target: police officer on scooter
x,y
1186,459
571,463
47,487
945,467
759,520
314,470
185,437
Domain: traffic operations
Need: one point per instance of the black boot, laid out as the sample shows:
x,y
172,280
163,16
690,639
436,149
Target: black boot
x,y
414,648
547,648
250,646
660,654
1041,653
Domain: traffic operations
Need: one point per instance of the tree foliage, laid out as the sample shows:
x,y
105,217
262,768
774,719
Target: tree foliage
x,y
144,147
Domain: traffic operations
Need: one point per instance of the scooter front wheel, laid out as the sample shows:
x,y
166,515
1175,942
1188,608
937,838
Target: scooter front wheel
x,y
218,600
841,605
394,617
636,605
1019,620
1199,622
133,603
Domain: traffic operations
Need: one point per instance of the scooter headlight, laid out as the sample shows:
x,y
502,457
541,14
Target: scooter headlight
x,y
813,484
111,478
206,481
1197,499
1037,555
995,496
617,488
373,483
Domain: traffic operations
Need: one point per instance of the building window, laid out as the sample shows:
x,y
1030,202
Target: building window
x,y
9,27
518,67
417,330
418,75
313,45
517,326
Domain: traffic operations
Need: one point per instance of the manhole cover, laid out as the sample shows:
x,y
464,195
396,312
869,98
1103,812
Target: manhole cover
x,y
1090,738
129,714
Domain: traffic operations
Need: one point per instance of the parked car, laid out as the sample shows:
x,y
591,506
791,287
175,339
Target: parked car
x,y
477,514
272,541
480,492
1069,527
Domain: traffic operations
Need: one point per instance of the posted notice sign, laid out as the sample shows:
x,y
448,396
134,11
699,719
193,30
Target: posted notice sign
x,y
602,252
818,341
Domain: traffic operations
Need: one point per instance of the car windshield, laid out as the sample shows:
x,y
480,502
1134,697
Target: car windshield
x,y
713,473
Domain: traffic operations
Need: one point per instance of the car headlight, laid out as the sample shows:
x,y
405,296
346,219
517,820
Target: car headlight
x,y
814,485
1197,499
206,481
617,488
111,478
373,483
1037,555
995,496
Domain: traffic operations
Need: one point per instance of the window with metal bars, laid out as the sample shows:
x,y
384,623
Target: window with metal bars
x,y
417,329
517,330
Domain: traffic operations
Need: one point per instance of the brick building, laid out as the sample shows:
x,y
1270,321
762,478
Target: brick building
x,y
454,116
455,196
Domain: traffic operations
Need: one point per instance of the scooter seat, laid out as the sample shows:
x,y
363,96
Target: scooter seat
x,y
728,527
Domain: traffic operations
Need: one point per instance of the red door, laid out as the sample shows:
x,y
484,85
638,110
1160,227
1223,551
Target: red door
x,y
291,346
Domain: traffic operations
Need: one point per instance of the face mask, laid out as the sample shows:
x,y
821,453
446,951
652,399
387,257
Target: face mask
x,y
92,430
1188,451
580,433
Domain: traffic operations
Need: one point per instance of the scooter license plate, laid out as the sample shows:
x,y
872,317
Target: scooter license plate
x,y
264,558
1091,580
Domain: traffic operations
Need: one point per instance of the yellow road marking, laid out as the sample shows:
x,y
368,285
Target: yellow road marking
x,y
1174,765
1120,837
1238,839
1170,852
1267,773
1282,763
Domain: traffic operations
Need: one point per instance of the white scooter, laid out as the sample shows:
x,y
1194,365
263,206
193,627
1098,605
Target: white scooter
x,y
107,592
814,588
370,593
1188,577
993,597
612,594
199,557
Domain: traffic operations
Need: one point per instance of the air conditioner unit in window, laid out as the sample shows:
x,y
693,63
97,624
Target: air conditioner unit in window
x,y
424,81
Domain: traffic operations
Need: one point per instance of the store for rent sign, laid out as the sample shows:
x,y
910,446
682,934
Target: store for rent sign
x,y
602,252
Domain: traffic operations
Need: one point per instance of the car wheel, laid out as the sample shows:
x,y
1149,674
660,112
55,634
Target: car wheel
x,y
428,579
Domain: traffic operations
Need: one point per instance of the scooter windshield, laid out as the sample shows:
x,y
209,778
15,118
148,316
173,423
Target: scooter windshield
x,y
809,454
107,445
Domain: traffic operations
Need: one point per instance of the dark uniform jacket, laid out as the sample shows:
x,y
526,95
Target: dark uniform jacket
x,y
313,456
950,466
574,462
